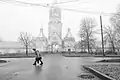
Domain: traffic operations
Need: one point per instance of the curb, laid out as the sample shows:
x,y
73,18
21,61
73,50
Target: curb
x,y
98,74
16,56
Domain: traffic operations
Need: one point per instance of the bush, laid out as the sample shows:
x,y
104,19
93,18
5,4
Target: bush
x,y
110,52
98,53
83,52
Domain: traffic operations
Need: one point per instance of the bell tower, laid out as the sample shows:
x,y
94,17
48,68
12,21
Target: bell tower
x,y
55,28
55,25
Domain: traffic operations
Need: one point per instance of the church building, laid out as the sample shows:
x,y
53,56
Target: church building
x,y
55,42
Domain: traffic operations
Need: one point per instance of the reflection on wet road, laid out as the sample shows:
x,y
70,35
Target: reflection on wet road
x,y
55,67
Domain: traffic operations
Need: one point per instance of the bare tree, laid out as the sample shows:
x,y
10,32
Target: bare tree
x,y
110,37
26,40
115,20
83,45
92,43
86,31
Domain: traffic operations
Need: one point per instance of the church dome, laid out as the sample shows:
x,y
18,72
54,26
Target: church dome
x,y
41,36
69,36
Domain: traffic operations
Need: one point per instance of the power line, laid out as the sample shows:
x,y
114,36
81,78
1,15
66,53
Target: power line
x,y
35,4
66,2
23,3
49,6
89,12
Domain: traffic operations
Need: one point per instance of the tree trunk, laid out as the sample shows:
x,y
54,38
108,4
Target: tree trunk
x,y
88,44
52,48
118,49
113,48
91,50
27,50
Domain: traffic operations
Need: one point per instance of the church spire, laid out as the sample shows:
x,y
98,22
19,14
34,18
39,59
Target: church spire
x,y
55,2
41,34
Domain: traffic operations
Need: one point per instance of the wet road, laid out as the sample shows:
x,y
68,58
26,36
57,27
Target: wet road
x,y
55,67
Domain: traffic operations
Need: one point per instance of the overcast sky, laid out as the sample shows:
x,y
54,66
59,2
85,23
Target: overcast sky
x,y
15,18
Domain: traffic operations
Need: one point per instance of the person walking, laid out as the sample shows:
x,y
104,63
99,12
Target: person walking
x,y
38,57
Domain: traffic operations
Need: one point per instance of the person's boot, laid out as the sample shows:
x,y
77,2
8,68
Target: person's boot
x,y
34,63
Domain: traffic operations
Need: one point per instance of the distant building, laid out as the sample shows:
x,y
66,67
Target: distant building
x,y
11,47
54,42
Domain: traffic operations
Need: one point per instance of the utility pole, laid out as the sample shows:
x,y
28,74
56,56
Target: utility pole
x,y
102,35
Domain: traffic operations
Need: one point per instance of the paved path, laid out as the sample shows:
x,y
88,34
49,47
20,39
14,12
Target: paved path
x,y
55,67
